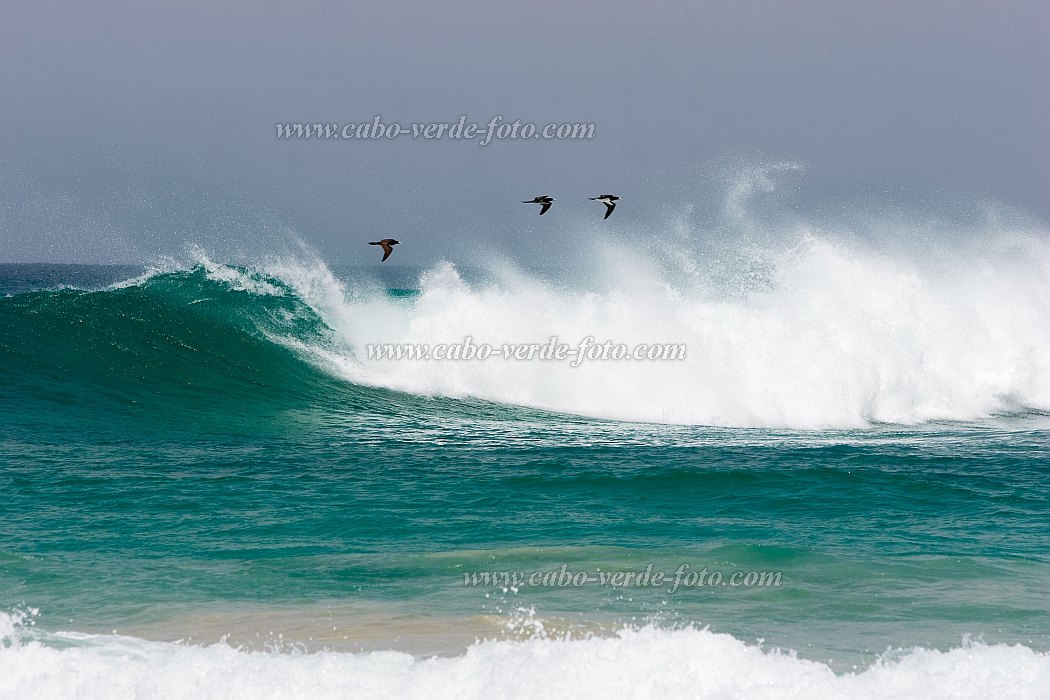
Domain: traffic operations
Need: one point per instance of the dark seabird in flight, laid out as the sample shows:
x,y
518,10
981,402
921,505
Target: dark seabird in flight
x,y
388,246
609,200
544,200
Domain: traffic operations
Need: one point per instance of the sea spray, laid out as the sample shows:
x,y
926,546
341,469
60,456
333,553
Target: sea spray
x,y
838,334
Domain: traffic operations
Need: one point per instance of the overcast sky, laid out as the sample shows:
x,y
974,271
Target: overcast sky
x,y
131,128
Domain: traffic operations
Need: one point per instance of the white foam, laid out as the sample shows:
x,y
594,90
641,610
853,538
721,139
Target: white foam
x,y
647,662
788,321
238,279
829,332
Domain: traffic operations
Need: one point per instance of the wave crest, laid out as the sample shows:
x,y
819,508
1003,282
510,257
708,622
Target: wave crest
x,y
806,330
649,661
825,333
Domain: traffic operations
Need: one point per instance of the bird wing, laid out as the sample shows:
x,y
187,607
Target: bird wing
x,y
610,206
546,206
387,250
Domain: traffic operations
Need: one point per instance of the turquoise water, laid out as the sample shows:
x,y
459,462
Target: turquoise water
x,y
161,455
168,454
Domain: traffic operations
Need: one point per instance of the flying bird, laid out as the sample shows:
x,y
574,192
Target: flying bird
x,y
544,200
388,246
609,200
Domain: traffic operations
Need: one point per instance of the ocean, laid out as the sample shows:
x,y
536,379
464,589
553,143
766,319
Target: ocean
x,y
209,489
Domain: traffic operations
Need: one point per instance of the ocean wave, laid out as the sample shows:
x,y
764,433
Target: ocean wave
x,y
175,345
815,331
643,662
824,333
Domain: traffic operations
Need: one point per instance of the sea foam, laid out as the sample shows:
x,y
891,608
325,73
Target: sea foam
x,y
818,331
645,662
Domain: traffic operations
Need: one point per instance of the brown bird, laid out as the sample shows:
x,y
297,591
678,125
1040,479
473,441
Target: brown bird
x,y
544,200
388,246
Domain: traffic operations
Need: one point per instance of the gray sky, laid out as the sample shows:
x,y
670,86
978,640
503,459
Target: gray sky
x,y
132,128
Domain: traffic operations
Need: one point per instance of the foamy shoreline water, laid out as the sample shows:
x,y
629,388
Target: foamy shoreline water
x,y
645,662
